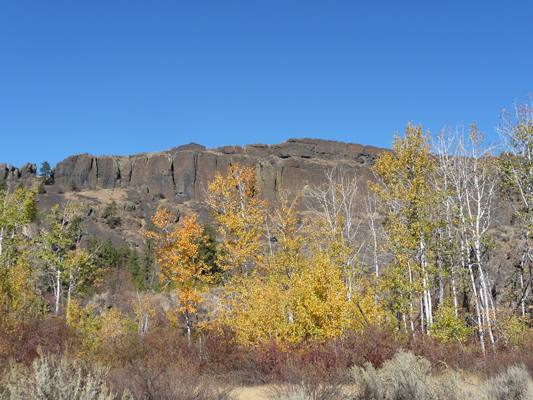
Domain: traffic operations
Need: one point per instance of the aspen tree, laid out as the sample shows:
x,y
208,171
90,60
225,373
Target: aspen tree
x,y
408,201
293,291
338,228
266,307
17,210
516,168
445,148
64,261
470,172
336,220
240,215
176,250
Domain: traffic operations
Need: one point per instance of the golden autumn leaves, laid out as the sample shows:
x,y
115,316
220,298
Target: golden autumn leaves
x,y
395,251
177,253
277,283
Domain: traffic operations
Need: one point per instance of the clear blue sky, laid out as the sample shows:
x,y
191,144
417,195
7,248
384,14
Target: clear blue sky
x,y
123,77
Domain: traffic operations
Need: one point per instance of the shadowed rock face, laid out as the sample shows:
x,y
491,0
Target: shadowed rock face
x,y
181,173
9,172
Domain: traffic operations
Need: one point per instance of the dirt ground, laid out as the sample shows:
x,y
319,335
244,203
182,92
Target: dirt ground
x,y
251,393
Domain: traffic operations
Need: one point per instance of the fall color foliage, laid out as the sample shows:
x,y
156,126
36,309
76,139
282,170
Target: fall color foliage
x,y
351,268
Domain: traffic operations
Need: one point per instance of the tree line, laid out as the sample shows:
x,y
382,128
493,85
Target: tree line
x,y
410,250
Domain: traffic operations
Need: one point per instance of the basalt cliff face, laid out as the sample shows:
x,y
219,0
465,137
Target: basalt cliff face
x,y
177,178
11,173
181,173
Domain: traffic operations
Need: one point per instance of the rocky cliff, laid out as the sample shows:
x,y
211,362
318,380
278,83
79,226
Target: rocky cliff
x,y
181,173
11,173
175,179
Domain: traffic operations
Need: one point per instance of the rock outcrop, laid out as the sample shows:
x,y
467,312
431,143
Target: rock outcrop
x,y
181,173
10,173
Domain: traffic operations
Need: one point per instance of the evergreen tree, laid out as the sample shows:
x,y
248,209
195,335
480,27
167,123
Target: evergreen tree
x,y
110,215
46,172
133,264
41,189
147,277
207,251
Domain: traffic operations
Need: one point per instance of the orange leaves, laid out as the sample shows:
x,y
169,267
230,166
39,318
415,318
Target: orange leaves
x,y
176,250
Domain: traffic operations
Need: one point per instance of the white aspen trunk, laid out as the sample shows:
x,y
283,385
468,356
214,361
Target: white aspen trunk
x,y
58,290
200,349
411,298
145,324
454,290
484,292
427,306
188,326
479,312
429,312
453,271
422,314
371,224
426,290
478,306
523,295
375,249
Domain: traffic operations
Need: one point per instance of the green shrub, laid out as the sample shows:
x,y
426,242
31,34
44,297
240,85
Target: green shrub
x,y
511,384
41,189
72,185
51,378
404,377
110,215
144,380
307,390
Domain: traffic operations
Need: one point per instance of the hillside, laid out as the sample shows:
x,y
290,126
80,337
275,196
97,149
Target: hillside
x,y
176,178
407,268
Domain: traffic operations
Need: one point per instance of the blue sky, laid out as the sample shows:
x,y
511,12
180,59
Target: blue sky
x,y
123,77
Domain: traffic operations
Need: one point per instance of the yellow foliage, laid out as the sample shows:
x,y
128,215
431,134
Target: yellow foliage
x,y
97,331
16,270
240,216
448,326
408,201
516,330
143,309
287,292
176,250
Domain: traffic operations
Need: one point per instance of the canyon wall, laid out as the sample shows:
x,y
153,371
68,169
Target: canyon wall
x,y
182,173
